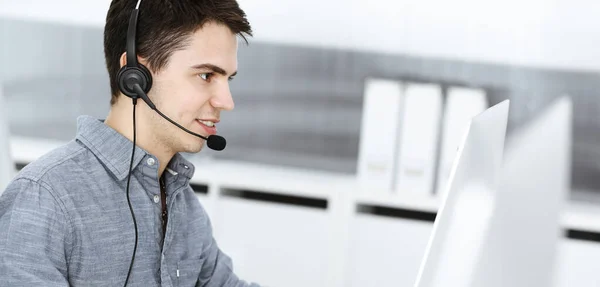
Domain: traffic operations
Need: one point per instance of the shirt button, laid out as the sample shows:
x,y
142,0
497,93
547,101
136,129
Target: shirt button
x,y
150,161
156,198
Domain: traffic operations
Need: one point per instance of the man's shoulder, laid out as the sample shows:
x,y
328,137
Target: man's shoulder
x,y
61,160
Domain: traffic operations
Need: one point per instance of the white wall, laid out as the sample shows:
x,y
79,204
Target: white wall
x,y
555,33
541,33
6,161
88,12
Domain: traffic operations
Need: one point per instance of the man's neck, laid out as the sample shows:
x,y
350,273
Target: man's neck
x,y
120,118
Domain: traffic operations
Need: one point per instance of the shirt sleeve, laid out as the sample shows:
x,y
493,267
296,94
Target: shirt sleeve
x,y
217,270
35,236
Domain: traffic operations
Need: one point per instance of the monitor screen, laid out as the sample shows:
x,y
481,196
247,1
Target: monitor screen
x,y
459,227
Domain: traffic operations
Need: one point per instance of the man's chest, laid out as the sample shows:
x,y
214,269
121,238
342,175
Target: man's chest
x,y
105,238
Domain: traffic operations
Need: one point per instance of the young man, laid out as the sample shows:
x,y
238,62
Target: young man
x,y
65,220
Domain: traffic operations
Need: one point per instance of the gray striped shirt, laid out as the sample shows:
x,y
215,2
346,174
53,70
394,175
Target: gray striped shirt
x,y
65,221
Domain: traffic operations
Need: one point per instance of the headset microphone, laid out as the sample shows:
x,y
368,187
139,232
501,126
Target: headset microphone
x,y
135,81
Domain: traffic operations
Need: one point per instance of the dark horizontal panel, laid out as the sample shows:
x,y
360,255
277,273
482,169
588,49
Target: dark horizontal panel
x,y
285,199
20,165
199,188
583,235
395,212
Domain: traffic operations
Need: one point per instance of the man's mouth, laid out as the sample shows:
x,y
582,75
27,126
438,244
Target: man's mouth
x,y
209,126
207,123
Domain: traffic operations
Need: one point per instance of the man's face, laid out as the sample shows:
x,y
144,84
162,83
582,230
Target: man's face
x,y
193,88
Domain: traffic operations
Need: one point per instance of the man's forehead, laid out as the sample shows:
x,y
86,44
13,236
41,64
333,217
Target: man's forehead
x,y
196,54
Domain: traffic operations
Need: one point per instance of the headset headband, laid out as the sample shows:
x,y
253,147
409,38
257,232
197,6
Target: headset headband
x,y
131,37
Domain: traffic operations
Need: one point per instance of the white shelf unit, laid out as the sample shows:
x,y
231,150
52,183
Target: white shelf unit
x,y
295,227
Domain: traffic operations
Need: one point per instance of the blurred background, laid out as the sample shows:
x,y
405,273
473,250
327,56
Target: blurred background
x,y
300,90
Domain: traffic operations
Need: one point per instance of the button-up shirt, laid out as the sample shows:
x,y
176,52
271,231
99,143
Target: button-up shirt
x,y
65,220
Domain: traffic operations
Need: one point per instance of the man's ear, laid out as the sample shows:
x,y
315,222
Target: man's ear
x,y
123,60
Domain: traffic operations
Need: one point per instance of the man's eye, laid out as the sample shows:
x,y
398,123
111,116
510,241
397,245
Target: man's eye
x,y
205,76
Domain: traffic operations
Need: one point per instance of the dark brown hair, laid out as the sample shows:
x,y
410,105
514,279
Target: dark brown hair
x,y
164,26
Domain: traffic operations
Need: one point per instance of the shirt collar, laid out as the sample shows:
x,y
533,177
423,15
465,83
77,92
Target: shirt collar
x,y
114,150
180,165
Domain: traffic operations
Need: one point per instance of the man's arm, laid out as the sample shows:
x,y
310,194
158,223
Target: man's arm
x,y
217,269
33,236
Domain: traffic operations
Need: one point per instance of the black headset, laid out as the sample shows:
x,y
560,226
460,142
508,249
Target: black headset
x,y
133,72
135,81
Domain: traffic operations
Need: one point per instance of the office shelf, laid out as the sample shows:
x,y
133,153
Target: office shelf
x,y
271,179
581,216
227,175
400,200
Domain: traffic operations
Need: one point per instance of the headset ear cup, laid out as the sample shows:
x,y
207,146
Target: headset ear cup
x,y
128,76
121,82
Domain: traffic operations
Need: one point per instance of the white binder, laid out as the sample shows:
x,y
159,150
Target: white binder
x,y
419,134
379,133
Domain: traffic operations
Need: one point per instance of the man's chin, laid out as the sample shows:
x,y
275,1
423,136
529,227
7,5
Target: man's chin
x,y
194,148
190,144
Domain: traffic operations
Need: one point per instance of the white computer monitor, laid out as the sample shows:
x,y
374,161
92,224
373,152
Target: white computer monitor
x,y
6,163
505,234
458,229
522,238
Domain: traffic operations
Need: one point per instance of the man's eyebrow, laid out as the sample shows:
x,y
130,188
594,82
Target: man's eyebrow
x,y
213,68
